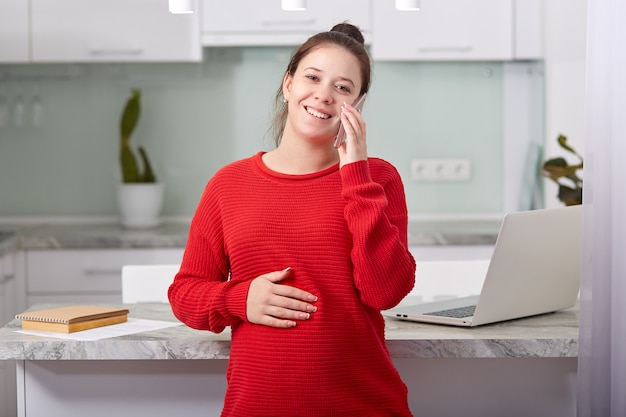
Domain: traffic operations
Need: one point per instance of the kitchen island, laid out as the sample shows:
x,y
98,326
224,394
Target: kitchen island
x,y
79,261
517,368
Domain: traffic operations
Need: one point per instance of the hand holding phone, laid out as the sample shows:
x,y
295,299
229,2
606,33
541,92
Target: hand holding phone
x,y
341,135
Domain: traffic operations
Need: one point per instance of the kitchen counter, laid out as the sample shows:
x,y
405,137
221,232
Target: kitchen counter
x,y
518,368
110,235
453,231
547,336
99,236
75,248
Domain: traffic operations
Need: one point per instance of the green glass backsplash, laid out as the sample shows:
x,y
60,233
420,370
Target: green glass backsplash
x,y
198,117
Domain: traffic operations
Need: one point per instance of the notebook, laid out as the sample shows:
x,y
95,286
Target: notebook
x,y
69,319
534,269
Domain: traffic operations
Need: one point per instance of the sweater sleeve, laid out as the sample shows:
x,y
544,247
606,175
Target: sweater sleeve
x,y
376,213
201,295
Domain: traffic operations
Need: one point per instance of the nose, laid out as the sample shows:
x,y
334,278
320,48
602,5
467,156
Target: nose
x,y
325,94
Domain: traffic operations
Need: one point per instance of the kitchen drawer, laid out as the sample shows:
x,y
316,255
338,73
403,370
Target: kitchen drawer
x,y
14,38
87,271
100,298
444,30
112,31
263,22
448,271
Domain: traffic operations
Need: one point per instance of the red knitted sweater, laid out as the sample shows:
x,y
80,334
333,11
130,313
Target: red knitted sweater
x,y
344,234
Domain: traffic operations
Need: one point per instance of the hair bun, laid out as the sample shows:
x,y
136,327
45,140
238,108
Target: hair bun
x,y
349,30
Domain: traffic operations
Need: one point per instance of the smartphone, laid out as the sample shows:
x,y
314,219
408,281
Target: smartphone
x,y
341,135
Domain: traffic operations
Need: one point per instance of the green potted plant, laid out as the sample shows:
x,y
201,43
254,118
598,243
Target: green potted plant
x,y
128,161
139,196
565,175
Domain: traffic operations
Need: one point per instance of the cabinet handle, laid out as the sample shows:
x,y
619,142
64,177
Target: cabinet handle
x,y
289,22
440,49
102,271
107,52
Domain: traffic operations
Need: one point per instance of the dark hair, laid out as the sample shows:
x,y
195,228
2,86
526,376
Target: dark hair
x,y
345,35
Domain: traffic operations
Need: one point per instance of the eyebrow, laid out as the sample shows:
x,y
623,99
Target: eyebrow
x,y
341,78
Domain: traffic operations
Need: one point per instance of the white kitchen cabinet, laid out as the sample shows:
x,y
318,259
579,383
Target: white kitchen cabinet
x,y
7,286
14,31
8,390
263,22
529,33
112,31
85,276
448,271
444,30
29,277
8,309
451,253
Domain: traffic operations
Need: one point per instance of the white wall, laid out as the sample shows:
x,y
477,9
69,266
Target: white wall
x,y
565,49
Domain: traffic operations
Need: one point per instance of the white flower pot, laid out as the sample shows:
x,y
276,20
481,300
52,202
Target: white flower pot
x,y
140,204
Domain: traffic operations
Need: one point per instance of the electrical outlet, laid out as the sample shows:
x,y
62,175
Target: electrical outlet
x,y
434,170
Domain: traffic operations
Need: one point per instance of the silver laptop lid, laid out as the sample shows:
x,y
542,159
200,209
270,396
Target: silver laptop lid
x,y
534,269
535,266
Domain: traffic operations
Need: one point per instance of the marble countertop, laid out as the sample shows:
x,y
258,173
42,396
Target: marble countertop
x,y
552,335
105,235
453,232
94,236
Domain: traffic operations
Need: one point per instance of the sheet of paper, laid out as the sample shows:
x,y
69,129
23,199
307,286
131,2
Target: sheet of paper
x,y
132,326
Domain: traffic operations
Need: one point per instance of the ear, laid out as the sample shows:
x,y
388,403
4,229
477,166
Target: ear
x,y
287,81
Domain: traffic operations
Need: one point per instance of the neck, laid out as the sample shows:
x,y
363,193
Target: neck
x,y
299,160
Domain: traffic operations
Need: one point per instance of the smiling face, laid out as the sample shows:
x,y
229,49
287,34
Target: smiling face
x,y
324,79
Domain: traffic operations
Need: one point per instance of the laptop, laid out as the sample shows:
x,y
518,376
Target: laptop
x,y
534,269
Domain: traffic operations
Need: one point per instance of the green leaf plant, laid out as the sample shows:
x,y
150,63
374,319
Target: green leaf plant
x,y
565,175
128,161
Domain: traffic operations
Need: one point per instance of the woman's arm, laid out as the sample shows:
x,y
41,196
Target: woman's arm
x,y
384,269
201,295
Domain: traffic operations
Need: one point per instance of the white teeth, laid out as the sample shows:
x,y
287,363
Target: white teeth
x,y
317,114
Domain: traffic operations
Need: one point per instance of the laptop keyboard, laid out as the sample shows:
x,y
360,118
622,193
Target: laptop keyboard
x,y
458,312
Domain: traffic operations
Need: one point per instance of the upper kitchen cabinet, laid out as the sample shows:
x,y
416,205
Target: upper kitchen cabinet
x,y
263,22
463,30
13,31
112,31
529,24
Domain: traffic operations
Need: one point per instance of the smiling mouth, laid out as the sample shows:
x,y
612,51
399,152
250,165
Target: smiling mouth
x,y
317,114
